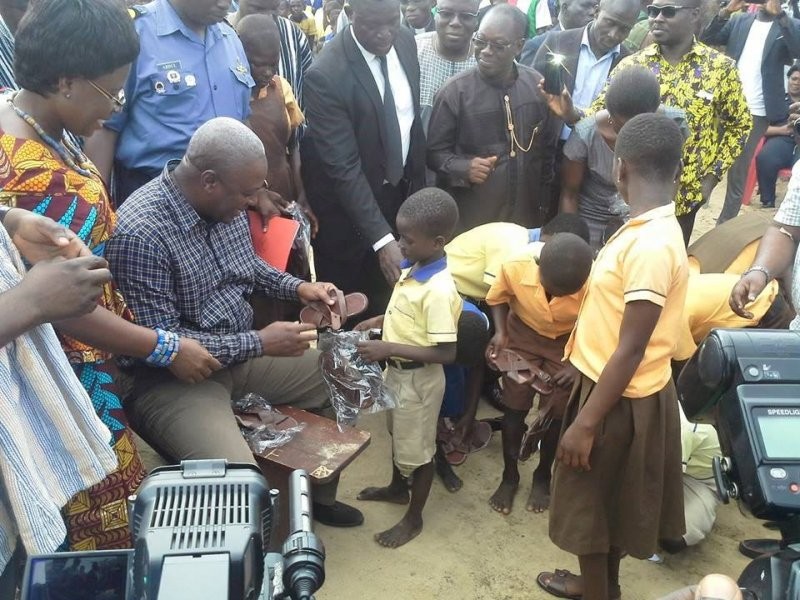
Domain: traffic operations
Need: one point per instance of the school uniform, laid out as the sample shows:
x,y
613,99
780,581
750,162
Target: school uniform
x,y
730,247
632,496
538,329
474,257
707,308
423,311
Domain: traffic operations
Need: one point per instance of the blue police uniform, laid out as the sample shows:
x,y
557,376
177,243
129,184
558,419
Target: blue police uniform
x,y
178,82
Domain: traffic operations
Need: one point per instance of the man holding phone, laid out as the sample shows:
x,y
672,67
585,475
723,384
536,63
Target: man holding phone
x,y
761,43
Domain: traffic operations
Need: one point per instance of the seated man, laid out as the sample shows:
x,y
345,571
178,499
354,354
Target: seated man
x,y
183,257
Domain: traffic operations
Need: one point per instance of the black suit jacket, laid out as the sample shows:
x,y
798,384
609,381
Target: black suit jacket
x,y
568,43
343,158
532,46
781,48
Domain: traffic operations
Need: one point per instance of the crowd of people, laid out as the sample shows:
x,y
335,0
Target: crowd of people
x,y
494,223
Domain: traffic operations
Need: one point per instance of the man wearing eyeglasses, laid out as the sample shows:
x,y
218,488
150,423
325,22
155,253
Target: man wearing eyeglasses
x,y
573,14
761,43
492,139
702,82
447,51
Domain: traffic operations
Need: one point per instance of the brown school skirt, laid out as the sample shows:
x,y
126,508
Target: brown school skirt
x,y
542,352
633,494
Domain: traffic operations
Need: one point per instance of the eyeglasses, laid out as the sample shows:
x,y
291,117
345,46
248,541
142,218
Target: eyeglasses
x,y
466,18
118,100
669,12
481,43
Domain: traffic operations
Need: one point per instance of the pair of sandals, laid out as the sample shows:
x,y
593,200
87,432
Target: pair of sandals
x,y
523,372
456,453
327,316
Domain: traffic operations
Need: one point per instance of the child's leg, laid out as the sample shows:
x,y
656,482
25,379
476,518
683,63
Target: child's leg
x,y
539,499
410,525
513,430
594,572
444,470
396,492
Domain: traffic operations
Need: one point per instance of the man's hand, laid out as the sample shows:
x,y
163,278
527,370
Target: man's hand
x,y
746,291
480,169
64,289
317,292
575,446
772,7
40,238
732,7
566,377
282,338
389,258
707,186
193,363
373,323
268,204
561,105
302,202
374,350
496,345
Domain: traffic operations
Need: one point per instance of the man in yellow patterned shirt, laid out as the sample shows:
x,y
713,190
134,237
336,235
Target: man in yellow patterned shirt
x,y
702,82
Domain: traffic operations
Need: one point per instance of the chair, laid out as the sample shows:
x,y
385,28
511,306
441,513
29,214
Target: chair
x,y
752,176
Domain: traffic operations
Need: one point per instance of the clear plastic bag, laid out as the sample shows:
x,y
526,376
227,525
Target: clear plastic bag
x,y
262,425
356,385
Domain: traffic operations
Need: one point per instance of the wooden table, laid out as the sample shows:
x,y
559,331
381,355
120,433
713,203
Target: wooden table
x,y
320,449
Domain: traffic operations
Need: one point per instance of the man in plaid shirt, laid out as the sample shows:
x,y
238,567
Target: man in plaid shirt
x,y
183,258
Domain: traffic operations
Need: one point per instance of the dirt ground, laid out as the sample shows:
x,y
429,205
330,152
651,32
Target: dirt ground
x,y
468,551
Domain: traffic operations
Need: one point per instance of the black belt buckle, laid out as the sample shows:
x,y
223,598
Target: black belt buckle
x,y
405,365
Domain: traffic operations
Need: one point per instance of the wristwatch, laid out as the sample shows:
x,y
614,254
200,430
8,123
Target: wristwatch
x,y
760,269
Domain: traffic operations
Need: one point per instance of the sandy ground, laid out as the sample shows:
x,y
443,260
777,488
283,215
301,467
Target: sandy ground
x,y
468,551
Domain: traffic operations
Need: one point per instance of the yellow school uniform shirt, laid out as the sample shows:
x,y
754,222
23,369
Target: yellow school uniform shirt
x,y
424,308
707,308
475,256
518,285
644,260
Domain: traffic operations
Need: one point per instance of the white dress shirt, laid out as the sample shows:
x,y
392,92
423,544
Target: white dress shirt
x,y
403,101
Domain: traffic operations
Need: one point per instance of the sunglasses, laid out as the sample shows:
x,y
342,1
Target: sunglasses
x,y
481,43
466,18
118,100
669,12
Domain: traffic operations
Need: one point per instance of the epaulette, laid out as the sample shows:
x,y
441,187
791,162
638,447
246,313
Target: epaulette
x,y
136,11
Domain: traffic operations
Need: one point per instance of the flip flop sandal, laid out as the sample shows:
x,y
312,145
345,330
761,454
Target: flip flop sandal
x,y
557,586
325,316
344,377
481,435
521,371
271,420
532,437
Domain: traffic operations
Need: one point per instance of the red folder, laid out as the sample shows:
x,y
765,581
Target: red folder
x,y
273,245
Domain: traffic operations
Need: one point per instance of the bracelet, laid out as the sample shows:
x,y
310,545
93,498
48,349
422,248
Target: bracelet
x,y
166,350
760,269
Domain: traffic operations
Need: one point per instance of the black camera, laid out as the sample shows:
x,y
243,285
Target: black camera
x,y
746,382
200,530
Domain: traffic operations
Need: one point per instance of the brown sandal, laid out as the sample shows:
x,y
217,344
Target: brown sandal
x,y
521,371
325,316
558,582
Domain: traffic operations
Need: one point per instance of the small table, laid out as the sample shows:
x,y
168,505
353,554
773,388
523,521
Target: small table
x,y
320,449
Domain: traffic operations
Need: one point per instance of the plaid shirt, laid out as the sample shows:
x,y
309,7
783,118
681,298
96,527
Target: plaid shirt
x,y
789,214
183,274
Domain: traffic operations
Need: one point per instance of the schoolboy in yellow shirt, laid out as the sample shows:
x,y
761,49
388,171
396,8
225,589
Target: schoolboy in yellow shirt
x,y
617,482
419,335
534,302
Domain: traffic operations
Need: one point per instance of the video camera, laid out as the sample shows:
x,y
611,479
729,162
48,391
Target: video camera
x,y
200,530
746,382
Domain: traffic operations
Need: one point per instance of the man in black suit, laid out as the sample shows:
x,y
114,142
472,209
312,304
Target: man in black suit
x,y
761,43
573,14
590,53
364,150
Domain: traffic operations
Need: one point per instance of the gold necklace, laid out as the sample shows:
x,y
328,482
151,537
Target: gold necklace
x,y
515,145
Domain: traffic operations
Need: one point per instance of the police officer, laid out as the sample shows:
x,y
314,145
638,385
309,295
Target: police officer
x,y
191,68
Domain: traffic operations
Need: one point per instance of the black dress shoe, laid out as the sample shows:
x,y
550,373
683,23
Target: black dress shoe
x,y
759,547
338,514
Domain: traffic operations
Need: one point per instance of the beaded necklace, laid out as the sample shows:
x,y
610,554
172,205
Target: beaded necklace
x,y
73,157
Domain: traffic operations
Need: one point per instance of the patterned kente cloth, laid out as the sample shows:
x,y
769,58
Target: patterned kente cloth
x,y
33,177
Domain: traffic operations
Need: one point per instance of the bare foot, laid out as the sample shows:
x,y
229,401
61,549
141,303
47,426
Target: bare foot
x,y
503,498
384,494
539,499
451,481
406,530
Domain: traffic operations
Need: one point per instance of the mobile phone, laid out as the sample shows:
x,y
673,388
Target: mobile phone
x,y
554,74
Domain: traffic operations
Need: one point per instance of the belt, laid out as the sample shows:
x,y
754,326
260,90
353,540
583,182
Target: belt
x,y
404,365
